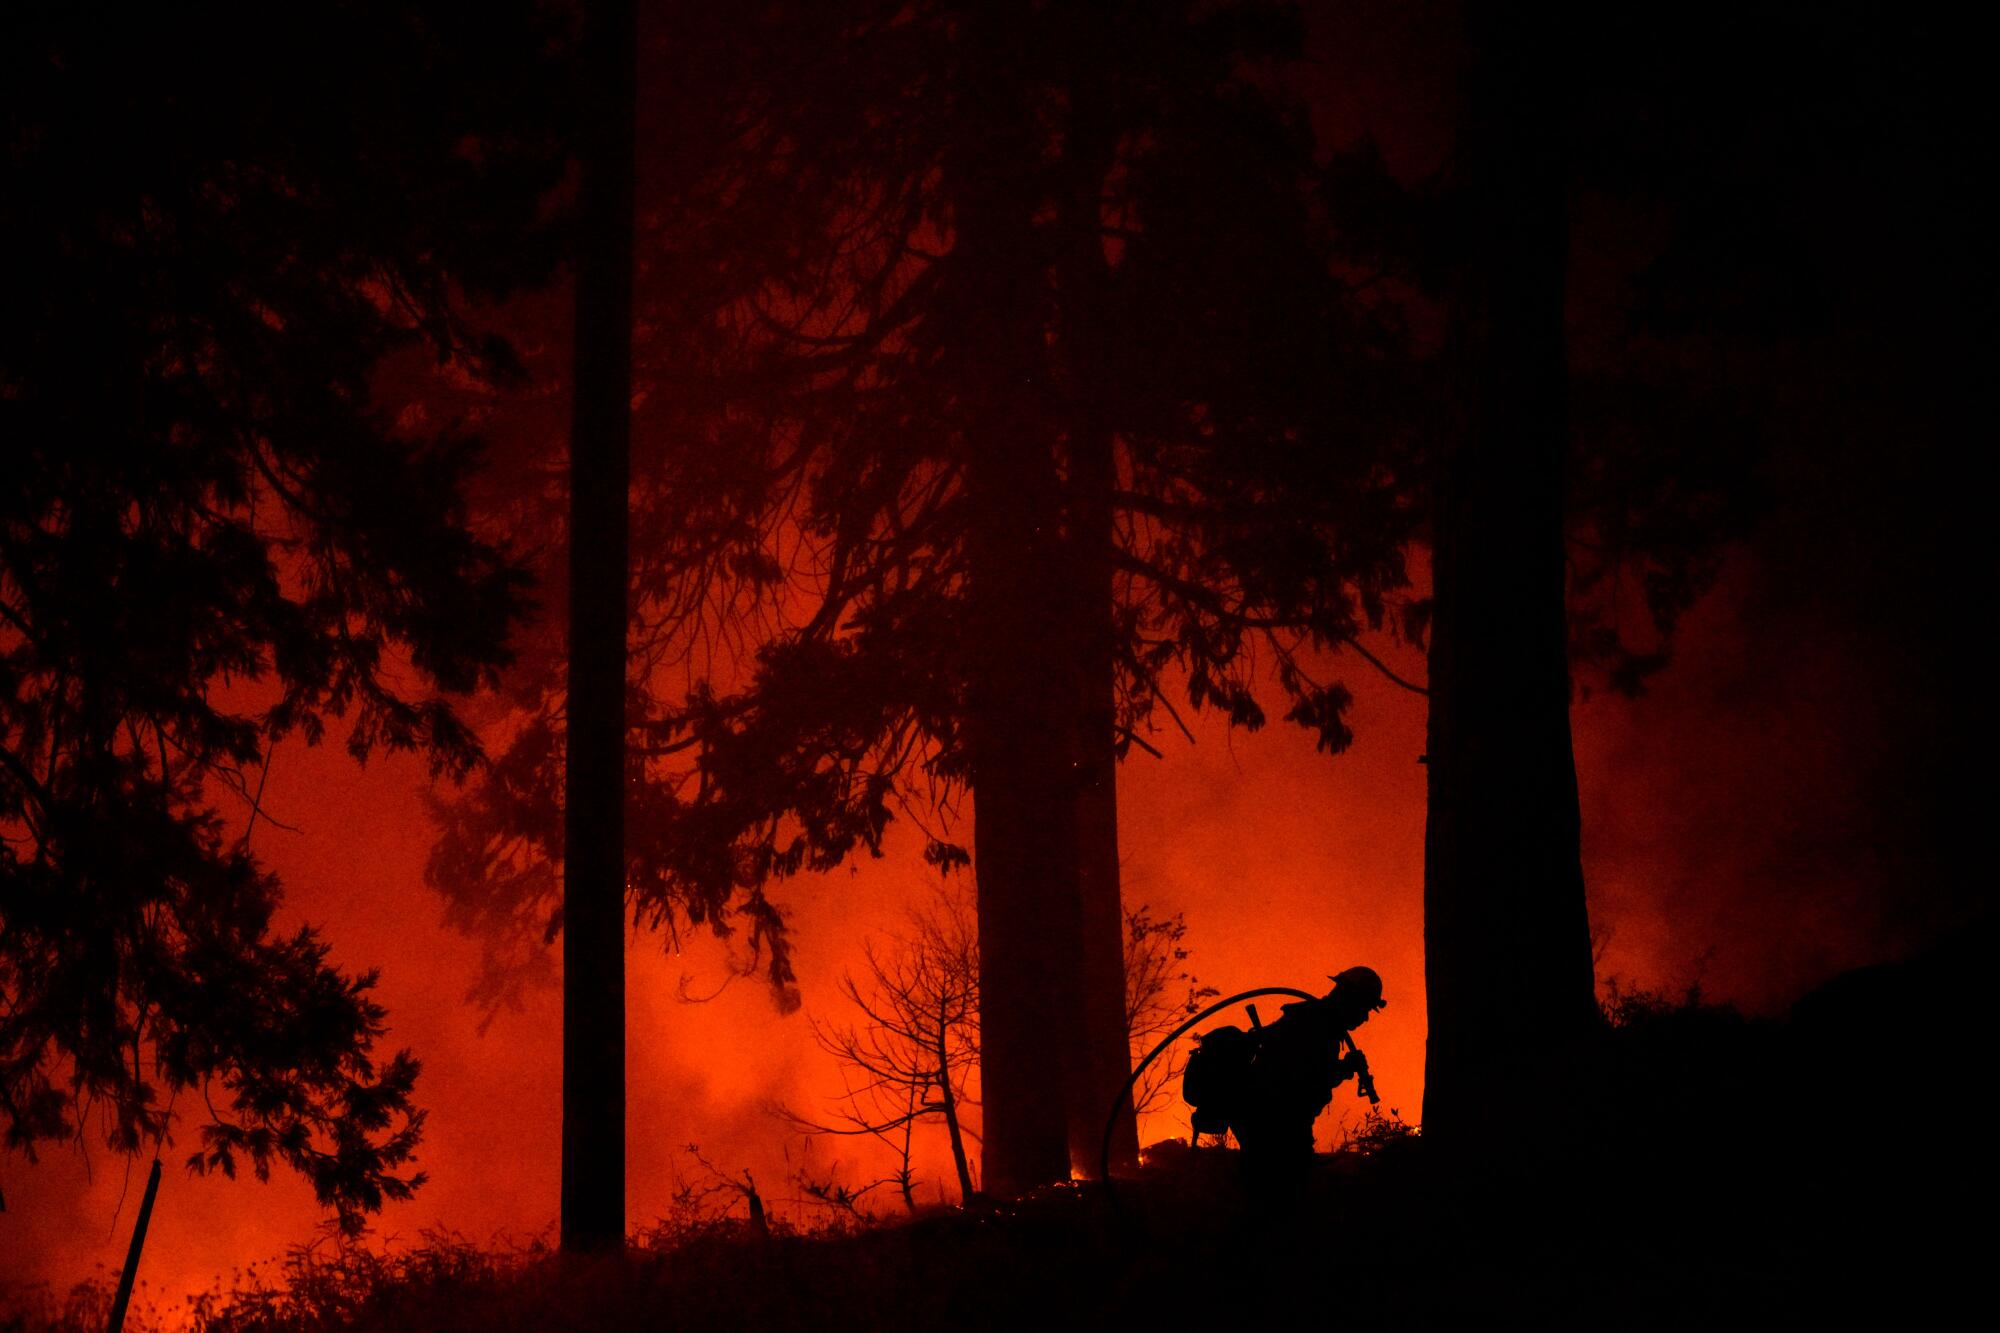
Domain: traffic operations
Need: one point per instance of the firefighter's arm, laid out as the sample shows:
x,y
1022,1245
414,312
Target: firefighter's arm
x,y
1355,1063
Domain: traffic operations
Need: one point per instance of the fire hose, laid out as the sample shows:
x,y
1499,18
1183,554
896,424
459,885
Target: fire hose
x,y
1125,1093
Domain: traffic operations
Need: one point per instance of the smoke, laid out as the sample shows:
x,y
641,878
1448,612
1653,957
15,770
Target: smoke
x,y
1748,823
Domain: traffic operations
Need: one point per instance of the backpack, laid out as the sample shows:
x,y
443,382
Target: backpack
x,y
1217,1074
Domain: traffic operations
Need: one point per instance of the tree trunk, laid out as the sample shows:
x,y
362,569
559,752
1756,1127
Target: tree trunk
x,y
1506,938
906,1179
950,1100
1020,735
1105,1029
593,1130
1085,287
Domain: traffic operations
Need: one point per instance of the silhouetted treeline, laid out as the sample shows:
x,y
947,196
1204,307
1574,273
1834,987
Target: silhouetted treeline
x,y
1002,377
216,224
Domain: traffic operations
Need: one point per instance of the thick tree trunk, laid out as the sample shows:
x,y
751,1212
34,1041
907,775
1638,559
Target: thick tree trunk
x,y
1021,729
593,1131
1020,737
1506,938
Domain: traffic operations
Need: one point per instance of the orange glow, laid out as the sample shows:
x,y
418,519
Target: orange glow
x,y
1288,864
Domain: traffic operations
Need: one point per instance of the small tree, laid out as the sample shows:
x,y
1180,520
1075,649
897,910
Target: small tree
x,y
920,1035
919,1040
1161,993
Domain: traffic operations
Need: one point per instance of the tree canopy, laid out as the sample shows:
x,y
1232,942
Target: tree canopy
x,y
217,533
804,421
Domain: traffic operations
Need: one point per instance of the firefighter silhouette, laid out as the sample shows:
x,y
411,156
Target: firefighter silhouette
x,y
1268,1085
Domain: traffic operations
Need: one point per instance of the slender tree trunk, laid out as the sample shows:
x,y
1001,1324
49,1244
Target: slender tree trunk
x,y
906,1179
593,1132
950,1100
1506,937
1106,1032
1021,707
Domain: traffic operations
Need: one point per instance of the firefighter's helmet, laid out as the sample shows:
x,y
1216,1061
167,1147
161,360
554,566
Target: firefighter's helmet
x,y
1360,985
